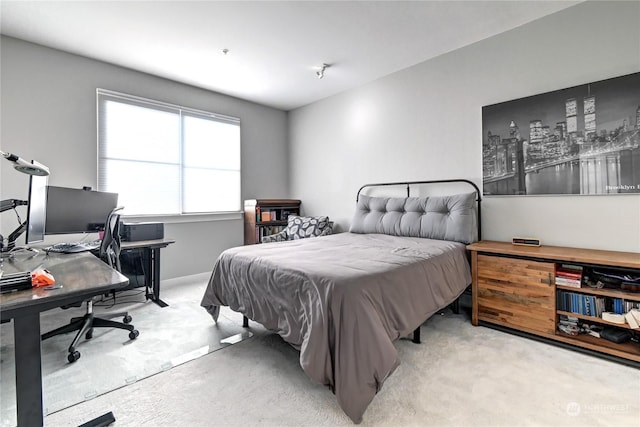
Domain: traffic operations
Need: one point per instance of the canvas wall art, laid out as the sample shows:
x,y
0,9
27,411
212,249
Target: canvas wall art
x,y
580,140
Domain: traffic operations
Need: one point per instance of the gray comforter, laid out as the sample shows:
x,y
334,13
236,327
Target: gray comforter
x,y
342,300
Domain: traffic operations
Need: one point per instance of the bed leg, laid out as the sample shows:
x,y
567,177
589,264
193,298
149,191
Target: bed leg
x,y
455,306
245,322
416,335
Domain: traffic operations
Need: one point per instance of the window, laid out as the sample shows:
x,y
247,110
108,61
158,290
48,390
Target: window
x,y
164,159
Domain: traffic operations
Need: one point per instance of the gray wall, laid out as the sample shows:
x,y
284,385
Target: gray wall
x,y
425,122
48,113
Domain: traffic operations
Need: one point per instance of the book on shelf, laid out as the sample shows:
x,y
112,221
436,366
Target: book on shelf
x,y
571,267
568,274
630,286
618,306
569,270
586,305
567,282
631,320
265,216
614,318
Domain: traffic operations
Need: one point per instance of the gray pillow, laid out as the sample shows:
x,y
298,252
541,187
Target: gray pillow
x,y
437,217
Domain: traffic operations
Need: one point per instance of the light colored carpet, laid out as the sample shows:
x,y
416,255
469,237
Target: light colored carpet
x,y
168,337
459,376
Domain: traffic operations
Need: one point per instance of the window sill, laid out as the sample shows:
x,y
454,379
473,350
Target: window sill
x,y
185,218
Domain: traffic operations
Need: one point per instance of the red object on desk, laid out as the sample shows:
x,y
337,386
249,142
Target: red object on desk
x,y
42,277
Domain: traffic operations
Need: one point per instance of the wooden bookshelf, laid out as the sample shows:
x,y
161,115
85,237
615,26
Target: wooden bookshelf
x,y
267,216
514,288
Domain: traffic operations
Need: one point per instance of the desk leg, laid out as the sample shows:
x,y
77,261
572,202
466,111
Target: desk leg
x,y
28,370
155,277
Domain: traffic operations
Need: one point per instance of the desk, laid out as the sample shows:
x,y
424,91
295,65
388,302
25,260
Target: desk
x,y
82,276
151,260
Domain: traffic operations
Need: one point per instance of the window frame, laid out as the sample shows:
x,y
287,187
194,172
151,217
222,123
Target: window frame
x,y
104,95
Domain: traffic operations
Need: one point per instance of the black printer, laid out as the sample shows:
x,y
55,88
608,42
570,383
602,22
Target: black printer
x,y
137,231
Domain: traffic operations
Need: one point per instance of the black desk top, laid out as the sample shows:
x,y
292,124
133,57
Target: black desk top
x,y
81,275
158,243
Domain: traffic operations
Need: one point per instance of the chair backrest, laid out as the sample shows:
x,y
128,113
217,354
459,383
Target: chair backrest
x,y
110,245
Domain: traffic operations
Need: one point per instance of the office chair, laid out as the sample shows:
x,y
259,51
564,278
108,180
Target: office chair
x,y
109,253
110,245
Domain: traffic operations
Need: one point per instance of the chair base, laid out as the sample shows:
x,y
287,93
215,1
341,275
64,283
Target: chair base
x,y
85,324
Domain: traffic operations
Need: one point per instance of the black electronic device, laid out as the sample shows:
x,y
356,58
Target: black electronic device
x,y
15,282
526,241
615,335
138,231
36,208
75,210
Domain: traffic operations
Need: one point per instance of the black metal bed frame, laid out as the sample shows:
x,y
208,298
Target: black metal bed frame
x,y
441,181
456,304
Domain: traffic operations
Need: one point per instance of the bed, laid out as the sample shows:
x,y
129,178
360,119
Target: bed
x,y
343,300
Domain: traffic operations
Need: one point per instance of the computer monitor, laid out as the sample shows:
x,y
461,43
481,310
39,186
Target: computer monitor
x,y
74,210
36,207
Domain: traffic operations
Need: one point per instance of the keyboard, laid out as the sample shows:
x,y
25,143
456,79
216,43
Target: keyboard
x,y
71,248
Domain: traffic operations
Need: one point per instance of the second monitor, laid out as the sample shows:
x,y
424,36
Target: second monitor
x,y
73,210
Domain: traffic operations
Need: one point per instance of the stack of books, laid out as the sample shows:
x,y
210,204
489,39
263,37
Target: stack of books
x,y
569,275
586,305
267,216
569,325
633,318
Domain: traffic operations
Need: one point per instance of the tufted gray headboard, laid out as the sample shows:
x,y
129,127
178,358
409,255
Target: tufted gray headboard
x,y
450,217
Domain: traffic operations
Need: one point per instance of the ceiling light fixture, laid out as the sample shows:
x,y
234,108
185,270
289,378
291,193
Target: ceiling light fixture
x,y
320,72
225,51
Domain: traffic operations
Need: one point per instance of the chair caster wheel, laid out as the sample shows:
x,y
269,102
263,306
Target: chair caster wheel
x,y
72,357
134,334
88,335
127,319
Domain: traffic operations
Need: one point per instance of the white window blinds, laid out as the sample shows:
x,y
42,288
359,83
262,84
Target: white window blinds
x,y
164,159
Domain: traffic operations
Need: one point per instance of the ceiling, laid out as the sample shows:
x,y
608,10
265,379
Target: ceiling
x,y
274,47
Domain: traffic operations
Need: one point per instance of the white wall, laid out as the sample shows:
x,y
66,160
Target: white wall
x,y
425,122
48,113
